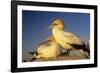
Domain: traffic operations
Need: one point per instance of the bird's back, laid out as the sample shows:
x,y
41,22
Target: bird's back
x,y
72,38
48,49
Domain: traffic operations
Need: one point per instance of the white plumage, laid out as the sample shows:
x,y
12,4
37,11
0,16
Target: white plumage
x,y
48,49
88,44
67,40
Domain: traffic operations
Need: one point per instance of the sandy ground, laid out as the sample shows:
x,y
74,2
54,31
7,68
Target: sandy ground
x,y
61,58
72,56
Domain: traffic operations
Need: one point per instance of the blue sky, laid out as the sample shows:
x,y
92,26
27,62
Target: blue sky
x,y
35,23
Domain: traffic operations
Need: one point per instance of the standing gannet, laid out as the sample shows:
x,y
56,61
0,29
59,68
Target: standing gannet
x,y
67,40
48,49
88,44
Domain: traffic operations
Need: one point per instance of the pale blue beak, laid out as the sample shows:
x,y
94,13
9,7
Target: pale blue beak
x,y
50,26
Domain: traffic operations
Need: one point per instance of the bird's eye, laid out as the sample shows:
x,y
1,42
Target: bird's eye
x,y
55,24
49,40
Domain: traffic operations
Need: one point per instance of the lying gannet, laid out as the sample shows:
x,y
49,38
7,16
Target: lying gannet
x,y
67,40
48,49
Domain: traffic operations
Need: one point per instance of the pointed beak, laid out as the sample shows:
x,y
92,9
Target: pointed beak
x,y
50,26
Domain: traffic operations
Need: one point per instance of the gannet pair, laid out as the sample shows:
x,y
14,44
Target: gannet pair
x,y
67,40
50,48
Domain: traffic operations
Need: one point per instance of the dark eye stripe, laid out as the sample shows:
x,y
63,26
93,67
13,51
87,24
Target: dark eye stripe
x,y
55,24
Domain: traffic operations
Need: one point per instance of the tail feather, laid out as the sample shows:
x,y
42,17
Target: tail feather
x,y
34,56
84,53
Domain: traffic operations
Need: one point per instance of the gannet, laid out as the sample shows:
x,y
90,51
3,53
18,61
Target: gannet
x,y
48,49
67,40
88,44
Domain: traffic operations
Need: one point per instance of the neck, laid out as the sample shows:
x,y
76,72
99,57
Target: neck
x,y
57,29
56,32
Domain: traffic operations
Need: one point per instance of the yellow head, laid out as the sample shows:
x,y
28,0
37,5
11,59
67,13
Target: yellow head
x,y
58,23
